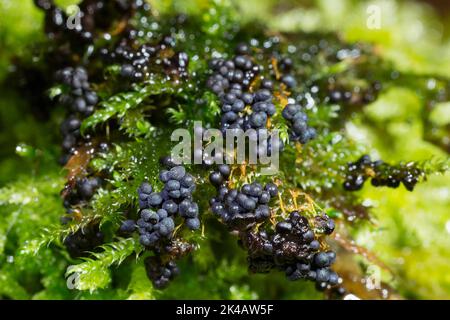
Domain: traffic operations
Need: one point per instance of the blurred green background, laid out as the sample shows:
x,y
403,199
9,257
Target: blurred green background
x,y
413,229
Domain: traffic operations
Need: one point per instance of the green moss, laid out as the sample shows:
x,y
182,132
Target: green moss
x,y
410,233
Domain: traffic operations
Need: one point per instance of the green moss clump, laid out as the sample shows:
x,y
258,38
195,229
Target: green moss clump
x,y
365,92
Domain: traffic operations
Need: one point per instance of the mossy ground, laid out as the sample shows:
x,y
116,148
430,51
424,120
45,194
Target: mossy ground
x,y
411,230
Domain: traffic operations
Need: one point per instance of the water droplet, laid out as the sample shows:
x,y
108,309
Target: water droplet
x,y
24,150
